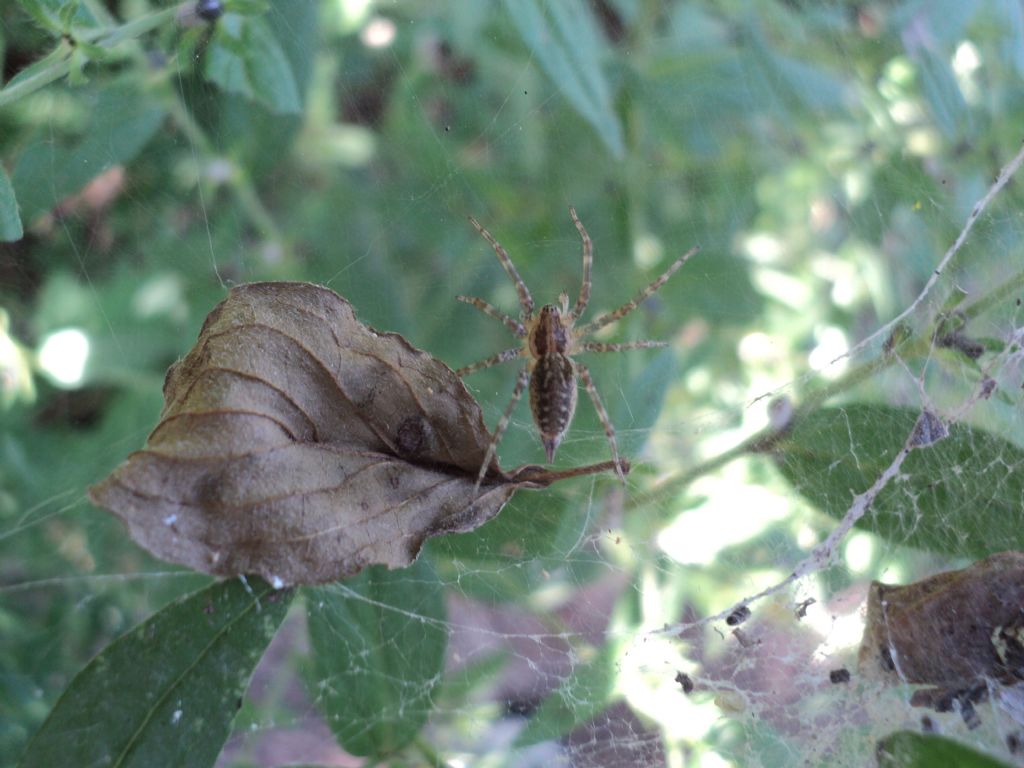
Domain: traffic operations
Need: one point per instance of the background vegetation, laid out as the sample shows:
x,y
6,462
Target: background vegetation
x,y
825,155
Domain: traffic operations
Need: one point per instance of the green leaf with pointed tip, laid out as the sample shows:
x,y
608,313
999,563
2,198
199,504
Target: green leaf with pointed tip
x,y
245,58
565,40
165,693
905,749
378,643
963,495
10,221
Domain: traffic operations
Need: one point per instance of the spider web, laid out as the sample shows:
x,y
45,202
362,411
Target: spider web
x,y
848,171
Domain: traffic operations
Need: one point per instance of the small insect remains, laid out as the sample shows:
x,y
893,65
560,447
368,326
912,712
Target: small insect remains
x,y
550,340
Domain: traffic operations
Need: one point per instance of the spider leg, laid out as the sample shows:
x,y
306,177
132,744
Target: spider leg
x,y
525,299
517,393
513,325
588,261
602,414
501,357
596,346
632,304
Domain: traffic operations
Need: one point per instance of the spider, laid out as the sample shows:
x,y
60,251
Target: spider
x,y
550,340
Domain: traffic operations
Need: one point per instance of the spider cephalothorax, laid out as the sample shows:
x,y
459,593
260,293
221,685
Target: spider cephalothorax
x,y
550,340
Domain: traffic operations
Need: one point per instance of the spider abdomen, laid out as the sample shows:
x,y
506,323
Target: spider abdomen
x,y
553,398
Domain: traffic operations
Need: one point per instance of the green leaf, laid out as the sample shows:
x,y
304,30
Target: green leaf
x,y
786,80
245,129
165,693
10,222
270,72
66,14
960,495
906,749
245,58
123,122
564,39
586,693
247,7
378,652
41,15
60,16
475,675
508,557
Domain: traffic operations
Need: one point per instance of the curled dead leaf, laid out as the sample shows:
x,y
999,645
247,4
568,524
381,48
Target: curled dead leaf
x,y
301,445
958,631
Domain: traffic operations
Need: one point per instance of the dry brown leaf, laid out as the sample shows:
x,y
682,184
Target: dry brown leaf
x,y
301,445
958,631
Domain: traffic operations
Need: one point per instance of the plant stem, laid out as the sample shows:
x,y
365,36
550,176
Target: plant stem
x,y
61,56
763,440
58,68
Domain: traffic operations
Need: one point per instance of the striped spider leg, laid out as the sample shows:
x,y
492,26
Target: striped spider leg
x,y
549,342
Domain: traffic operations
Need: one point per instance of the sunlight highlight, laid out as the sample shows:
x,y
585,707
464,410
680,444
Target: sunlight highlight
x,y
647,251
734,512
923,142
832,343
859,552
63,356
162,295
840,631
783,286
967,59
839,620
856,185
764,248
965,65
378,33
646,679
352,14
757,347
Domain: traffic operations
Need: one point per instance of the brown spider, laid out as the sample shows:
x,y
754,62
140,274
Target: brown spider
x,y
549,341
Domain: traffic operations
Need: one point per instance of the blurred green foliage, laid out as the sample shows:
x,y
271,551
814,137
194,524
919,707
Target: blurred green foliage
x,y
823,154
